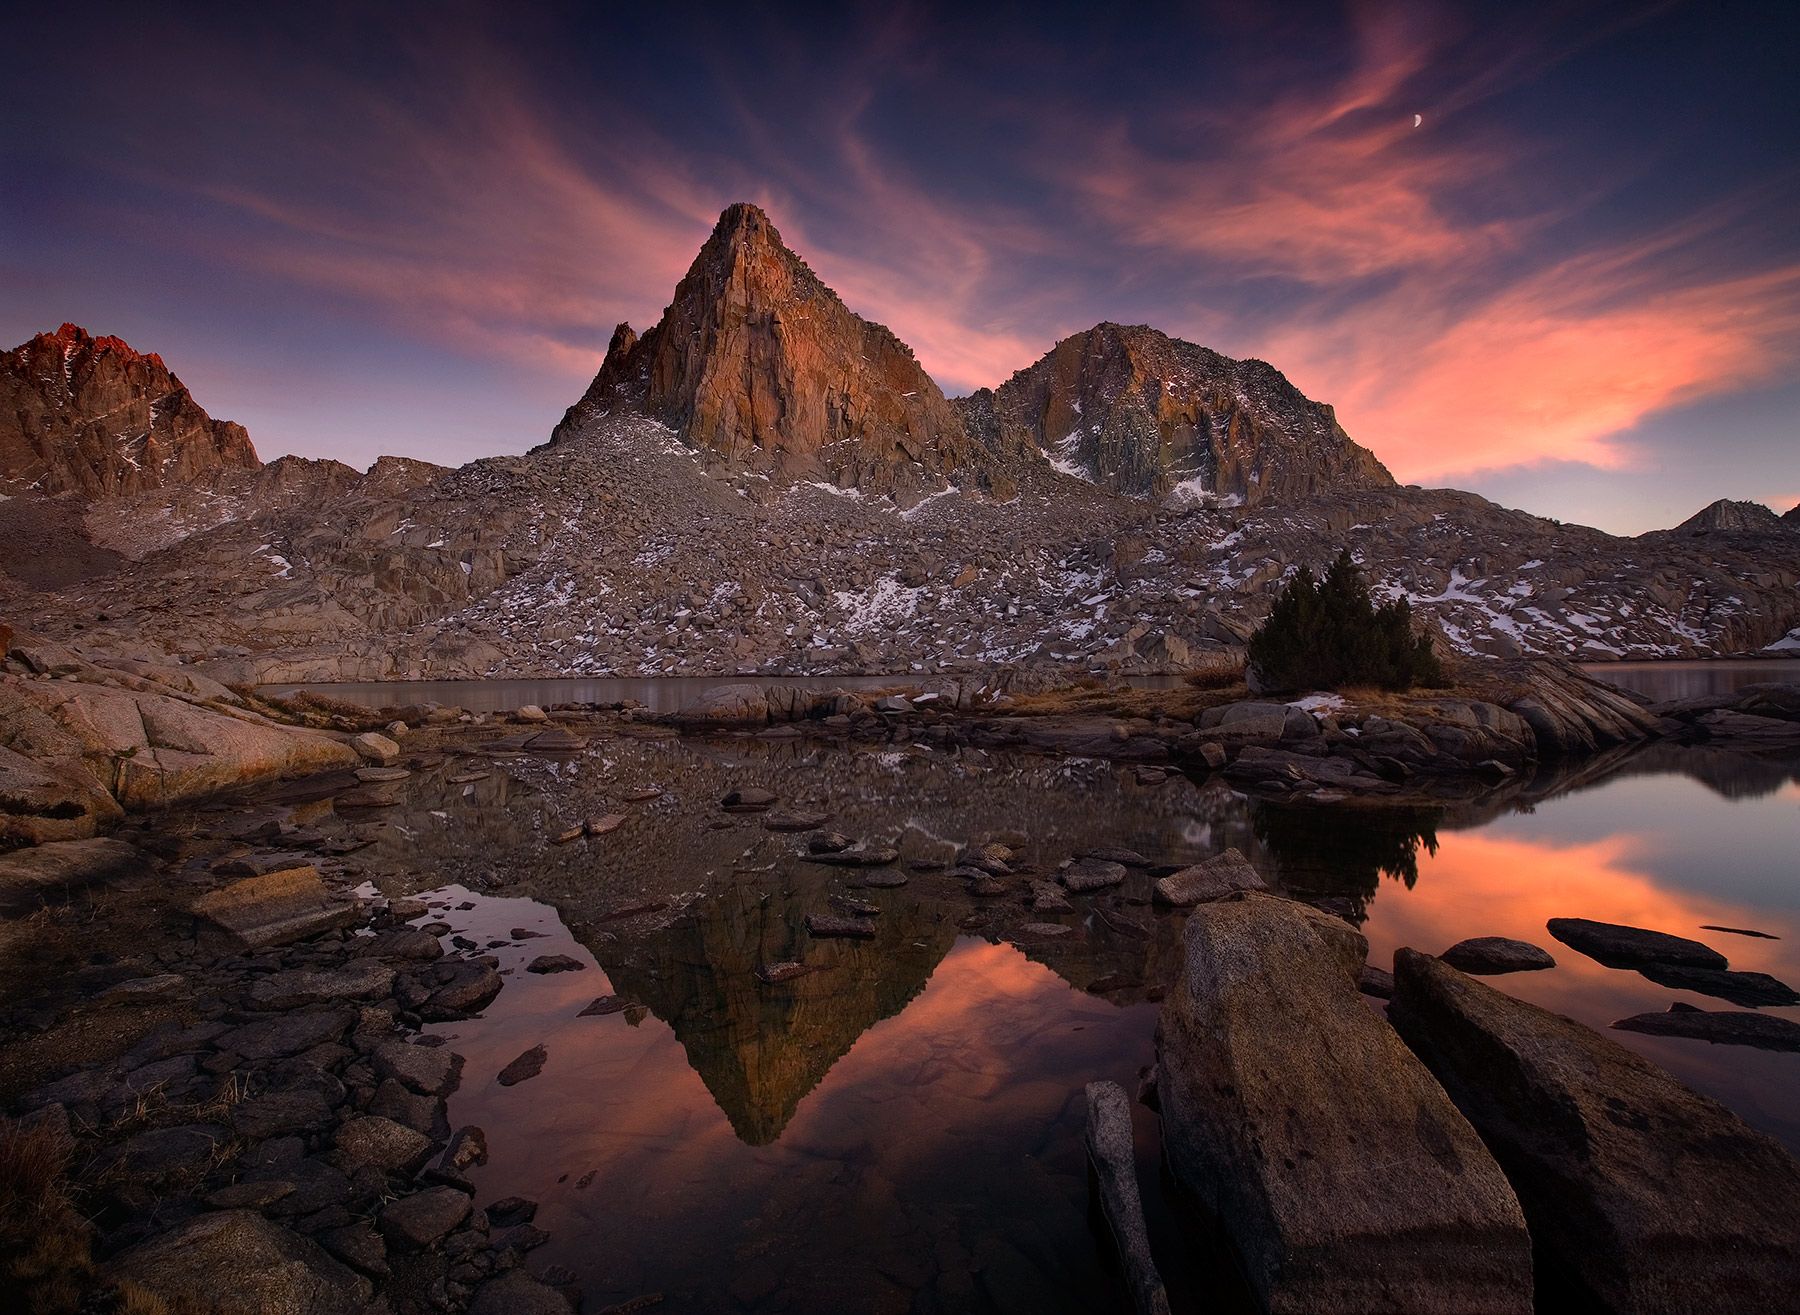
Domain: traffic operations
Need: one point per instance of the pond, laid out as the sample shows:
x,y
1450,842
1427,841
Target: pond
x,y
900,1128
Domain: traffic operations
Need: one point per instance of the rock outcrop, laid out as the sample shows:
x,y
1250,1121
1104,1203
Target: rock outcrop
x,y
759,364
1141,413
1728,517
1342,1172
1650,1197
93,416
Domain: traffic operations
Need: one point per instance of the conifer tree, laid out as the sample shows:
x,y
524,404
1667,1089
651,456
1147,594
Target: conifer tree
x,y
1329,633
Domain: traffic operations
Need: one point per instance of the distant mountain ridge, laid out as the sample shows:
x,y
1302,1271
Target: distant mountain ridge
x,y
95,416
1728,517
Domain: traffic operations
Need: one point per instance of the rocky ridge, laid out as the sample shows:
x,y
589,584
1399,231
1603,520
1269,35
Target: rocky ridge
x,y
80,414
1140,413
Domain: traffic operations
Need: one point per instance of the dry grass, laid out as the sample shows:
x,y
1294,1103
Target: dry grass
x,y
46,1250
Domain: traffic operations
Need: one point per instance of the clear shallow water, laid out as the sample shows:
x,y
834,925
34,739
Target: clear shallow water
x,y
901,1130
1662,681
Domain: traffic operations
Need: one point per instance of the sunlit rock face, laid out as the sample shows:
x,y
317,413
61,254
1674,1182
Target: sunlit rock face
x,y
758,363
1139,412
93,416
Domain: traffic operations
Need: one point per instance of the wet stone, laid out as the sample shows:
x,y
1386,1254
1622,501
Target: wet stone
x,y
1619,946
1753,990
1491,955
605,1005
555,963
526,1066
832,924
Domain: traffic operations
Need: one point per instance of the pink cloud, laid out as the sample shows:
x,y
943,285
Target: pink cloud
x,y
1555,367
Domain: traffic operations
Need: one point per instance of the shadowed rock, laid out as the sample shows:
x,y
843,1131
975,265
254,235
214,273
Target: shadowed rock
x,y
1619,946
1217,877
1754,990
1497,954
1725,1027
1341,1170
235,1260
1650,1197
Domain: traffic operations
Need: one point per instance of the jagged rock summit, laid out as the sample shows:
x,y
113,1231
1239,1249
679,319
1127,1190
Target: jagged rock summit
x,y
94,416
759,364
1728,517
1138,412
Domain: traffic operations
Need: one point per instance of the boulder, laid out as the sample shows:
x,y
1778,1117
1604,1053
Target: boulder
x,y
518,1293
733,705
382,1144
428,1070
1342,1172
273,909
1650,1197
1215,878
415,1222
1088,874
1490,955
1725,1027
374,747
41,802
232,1261
147,750
1619,946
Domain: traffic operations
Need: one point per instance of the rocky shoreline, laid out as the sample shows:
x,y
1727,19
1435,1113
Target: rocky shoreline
x,y
234,1022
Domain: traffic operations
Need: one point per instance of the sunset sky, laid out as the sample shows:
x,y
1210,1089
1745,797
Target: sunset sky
x,y
1575,287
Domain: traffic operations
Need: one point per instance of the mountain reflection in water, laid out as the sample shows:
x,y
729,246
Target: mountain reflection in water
x,y
900,1129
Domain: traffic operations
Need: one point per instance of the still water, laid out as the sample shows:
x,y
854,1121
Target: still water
x,y
900,1129
1662,681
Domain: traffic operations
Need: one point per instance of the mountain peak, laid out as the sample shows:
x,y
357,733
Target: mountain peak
x,y
1727,516
93,415
1134,410
760,365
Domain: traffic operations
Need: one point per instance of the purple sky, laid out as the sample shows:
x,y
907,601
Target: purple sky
x,y
410,228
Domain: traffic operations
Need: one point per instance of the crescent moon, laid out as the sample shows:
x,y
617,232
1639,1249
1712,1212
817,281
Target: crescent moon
x,y
1418,119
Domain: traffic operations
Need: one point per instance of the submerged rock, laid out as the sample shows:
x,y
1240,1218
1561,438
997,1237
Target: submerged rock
x,y
1343,1173
1651,1197
831,924
1112,1168
1619,946
527,1065
1753,990
1725,1027
1492,955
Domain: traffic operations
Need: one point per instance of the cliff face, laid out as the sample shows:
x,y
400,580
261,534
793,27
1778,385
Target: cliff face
x,y
1138,412
758,363
93,416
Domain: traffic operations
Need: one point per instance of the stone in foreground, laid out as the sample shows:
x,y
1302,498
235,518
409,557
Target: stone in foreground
x,y
235,1260
1491,955
1619,946
1112,1169
1213,879
1343,1173
272,909
1651,1198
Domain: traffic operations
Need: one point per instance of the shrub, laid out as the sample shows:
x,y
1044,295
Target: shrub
x,y
1328,633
